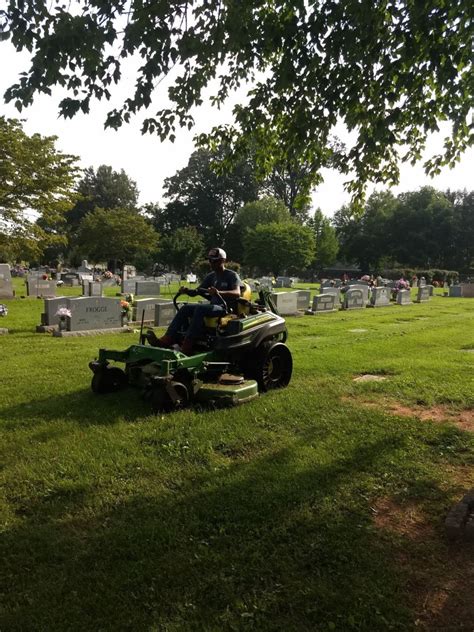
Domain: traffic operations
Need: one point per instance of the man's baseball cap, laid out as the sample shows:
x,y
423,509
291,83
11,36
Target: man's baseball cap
x,y
216,253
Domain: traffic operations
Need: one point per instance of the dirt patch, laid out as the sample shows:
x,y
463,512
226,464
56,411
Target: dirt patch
x,y
368,377
439,576
463,419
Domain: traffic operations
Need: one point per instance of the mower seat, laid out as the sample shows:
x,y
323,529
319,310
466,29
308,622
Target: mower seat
x,y
240,310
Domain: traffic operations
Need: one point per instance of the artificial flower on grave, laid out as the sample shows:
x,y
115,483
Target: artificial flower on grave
x,y
3,310
401,284
63,313
126,308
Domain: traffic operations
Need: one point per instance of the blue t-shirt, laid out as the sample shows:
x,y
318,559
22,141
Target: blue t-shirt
x,y
227,280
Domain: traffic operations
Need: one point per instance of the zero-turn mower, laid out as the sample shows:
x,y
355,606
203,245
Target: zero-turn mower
x,y
242,353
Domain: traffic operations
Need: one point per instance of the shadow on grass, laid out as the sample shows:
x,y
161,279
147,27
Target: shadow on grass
x,y
262,545
82,407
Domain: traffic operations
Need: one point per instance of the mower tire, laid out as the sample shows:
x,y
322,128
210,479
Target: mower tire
x,y
108,380
165,400
272,367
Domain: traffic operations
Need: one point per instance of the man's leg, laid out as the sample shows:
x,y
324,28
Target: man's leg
x,y
179,323
196,327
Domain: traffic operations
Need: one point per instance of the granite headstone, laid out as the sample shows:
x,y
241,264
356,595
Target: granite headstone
x,y
6,287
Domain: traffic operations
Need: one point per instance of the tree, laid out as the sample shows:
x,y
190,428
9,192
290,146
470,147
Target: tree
x,y
463,228
205,199
327,245
104,188
181,249
35,179
421,228
278,247
266,210
115,234
366,239
390,71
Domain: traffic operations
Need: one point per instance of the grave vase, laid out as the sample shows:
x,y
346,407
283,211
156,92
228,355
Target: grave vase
x,y
62,323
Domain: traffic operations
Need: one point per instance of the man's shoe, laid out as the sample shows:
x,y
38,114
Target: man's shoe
x,y
165,341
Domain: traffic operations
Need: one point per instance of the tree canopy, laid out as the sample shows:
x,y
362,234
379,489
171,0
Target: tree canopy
x,y
390,70
115,234
425,228
181,249
279,247
327,245
104,188
36,181
199,197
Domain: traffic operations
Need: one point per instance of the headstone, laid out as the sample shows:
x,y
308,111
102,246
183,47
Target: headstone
x,y
324,303
147,288
380,297
455,291
286,302
266,282
164,313
144,306
70,279
92,288
283,281
332,290
6,287
403,297
51,306
431,289
423,294
467,290
422,282
354,299
170,278
303,298
364,288
86,277
128,286
41,288
94,313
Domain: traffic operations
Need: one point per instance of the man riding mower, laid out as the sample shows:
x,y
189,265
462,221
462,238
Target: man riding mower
x,y
221,287
231,349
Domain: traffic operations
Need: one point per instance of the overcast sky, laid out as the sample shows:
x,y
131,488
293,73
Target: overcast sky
x,y
148,161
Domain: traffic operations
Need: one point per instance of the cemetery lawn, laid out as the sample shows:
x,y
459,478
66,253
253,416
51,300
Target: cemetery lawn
x,y
318,507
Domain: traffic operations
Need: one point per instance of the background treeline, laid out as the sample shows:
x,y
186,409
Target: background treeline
x,y
51,211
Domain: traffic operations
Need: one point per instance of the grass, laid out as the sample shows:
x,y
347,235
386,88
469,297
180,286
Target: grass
x,y
318,507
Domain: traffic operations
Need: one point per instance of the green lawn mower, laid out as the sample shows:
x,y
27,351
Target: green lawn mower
x,y
241,354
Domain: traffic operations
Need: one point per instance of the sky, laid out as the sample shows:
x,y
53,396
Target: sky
x,y
149,161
